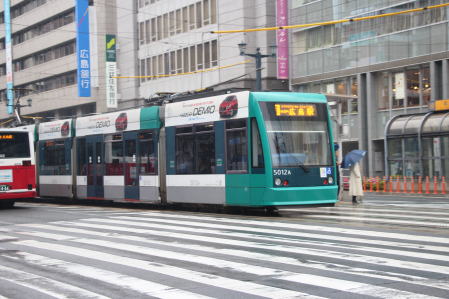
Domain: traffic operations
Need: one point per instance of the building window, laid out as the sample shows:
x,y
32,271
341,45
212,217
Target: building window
x,y
199,56
206,12
147,32
398,87
172,22
207,55
185,19
178,21
179,61
382,91
214,53
412,87
199,17
172,62
142,70
165,26
425,85
192,16
142,33
189,59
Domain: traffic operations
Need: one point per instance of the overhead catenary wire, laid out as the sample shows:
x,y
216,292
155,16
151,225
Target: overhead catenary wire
x,y
187,73
347,20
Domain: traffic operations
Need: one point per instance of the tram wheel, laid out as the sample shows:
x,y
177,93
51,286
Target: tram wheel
x,y
271,211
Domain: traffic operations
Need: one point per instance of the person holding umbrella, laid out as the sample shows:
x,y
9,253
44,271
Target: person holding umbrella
x,y
351,161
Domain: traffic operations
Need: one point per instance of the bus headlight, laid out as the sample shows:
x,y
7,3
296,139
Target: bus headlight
x,y
277,181
331,180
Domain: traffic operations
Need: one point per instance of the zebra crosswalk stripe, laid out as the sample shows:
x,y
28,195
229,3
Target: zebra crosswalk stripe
x,y
209,279
337,284
313,258
139,285
49,287
285,248
322,228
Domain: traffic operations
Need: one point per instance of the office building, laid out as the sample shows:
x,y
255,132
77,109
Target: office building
x,y
372,71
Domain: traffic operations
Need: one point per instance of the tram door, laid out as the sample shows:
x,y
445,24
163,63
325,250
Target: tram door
x,y
131,166
95,169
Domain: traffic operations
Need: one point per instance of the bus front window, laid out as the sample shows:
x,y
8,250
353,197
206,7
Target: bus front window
x,y
297,134
14,145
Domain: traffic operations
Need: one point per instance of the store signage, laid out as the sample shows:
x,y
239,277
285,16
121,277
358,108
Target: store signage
x,y
55,129
111,72
8,54
282,39
207,109
83,47
108,123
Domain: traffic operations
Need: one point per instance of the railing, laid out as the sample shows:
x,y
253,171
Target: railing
x,y
404,184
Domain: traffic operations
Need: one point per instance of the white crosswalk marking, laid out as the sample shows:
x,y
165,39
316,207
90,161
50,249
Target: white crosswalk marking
x,y
186,255
245,287
136,284
44,285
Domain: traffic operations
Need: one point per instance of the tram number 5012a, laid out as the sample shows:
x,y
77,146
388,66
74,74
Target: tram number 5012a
x,y
281,172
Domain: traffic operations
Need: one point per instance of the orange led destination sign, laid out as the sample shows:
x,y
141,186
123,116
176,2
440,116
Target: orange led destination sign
x,y
295,109
6,136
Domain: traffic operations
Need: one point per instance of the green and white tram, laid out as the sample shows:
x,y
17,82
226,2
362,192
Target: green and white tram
x,y
250,149
256,149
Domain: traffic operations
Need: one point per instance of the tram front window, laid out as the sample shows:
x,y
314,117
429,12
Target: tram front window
x,y
297,134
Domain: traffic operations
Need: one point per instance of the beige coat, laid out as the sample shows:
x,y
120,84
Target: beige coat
x,y
355,181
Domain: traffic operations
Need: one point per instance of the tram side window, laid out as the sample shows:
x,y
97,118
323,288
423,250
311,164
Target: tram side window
x,y
81,157
114,154
205,149
53,160
147,154
195,149
236,145
184,150
257,152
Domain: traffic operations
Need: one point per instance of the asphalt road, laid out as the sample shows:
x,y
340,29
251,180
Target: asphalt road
x,y
386,247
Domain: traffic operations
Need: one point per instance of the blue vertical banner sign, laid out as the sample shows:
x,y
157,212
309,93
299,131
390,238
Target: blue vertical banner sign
x,y
8,53
83,47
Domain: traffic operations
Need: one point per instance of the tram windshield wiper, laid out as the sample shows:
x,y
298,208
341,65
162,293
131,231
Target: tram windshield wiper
x,y
303,167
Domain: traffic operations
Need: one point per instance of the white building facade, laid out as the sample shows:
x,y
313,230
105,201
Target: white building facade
x,y
158,38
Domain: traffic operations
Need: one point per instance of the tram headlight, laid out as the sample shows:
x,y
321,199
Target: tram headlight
x,y
277,181
330,180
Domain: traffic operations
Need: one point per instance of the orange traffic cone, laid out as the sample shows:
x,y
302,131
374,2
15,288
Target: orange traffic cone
x,y
435,185
443,185
427,185
419,185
